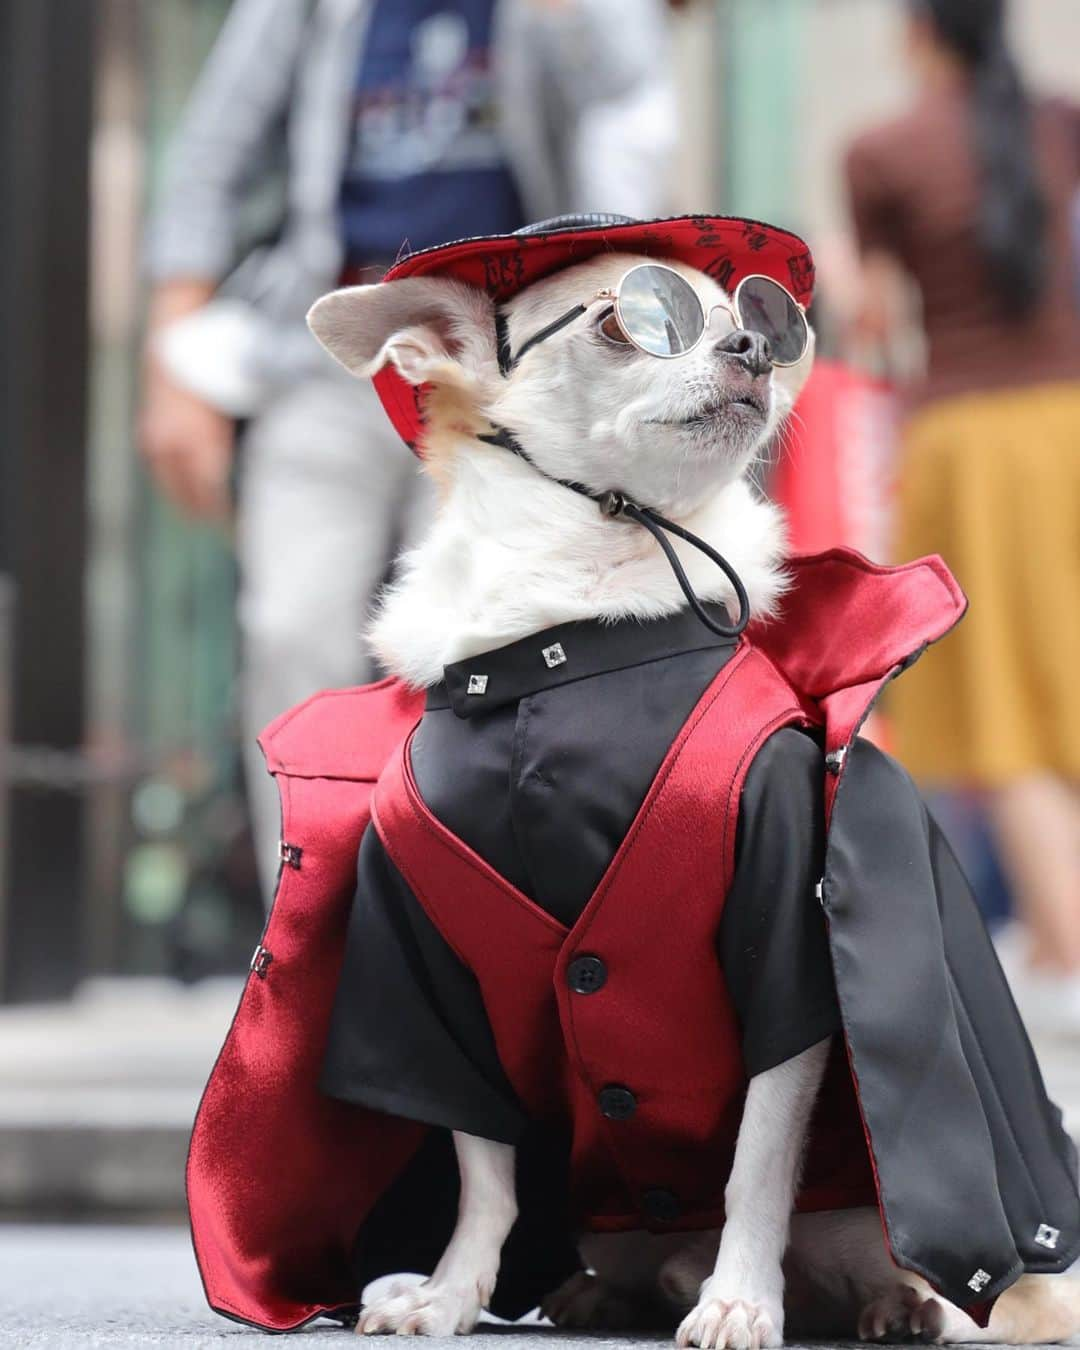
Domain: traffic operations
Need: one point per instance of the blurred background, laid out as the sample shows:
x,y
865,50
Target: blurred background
x,y
131,889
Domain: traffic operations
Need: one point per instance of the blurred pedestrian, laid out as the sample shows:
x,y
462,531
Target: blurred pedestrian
x,y
970,194
395,124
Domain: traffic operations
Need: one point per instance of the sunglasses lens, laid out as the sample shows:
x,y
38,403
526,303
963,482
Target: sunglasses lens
x,y
766,308
660,311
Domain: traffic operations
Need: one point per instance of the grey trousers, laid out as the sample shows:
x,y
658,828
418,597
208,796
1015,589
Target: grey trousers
x,y
328,494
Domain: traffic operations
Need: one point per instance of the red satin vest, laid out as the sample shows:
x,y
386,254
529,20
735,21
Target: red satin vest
x,y
280,1178
652,923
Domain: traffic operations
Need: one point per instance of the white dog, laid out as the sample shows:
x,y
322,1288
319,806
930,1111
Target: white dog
x,y
512,553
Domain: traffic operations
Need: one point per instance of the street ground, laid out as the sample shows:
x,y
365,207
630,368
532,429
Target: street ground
x,y
94,1287
96,1102
91,1287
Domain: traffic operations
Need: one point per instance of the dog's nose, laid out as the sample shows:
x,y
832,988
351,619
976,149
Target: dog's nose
x,y
752,349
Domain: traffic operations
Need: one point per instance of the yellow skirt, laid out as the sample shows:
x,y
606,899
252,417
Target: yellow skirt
x,y
992,483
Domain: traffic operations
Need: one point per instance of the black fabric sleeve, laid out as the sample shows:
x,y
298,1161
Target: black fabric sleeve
x,y
773,941
409,1034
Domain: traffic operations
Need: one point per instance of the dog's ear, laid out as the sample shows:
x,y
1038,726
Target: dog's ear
x,y
423,325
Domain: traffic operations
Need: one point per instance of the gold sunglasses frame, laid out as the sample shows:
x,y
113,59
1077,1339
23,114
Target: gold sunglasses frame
x,y
732,308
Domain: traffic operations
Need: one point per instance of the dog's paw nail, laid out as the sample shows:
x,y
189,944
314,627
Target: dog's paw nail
x,y
386,1313
930,1316
730,1324
424,1310
901,1314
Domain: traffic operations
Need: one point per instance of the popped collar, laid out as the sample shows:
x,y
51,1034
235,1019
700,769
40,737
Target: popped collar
x,y
566,654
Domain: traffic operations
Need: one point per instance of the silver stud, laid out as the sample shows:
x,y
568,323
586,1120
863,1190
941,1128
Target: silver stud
x,y
477,684
554,655
979,1280
1047,1236
834,760
290,854
819,892
260,961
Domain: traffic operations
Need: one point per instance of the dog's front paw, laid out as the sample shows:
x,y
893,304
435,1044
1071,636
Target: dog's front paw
x,y
721,1322
433,1308
902,1314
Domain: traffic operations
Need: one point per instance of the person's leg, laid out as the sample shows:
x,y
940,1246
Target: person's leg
x,y
321,487
1036,822
993,706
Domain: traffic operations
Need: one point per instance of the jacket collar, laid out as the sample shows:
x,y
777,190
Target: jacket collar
x,y
565,654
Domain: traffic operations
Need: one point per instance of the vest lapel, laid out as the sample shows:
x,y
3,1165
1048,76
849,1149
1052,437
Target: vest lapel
x,y
508,942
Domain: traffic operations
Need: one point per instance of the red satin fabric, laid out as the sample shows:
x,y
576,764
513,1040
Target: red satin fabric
x,y
834,479
663,1023
849,627
280,1178
278,1174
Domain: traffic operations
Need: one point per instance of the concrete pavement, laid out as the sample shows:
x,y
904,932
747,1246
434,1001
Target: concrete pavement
x,y
96,1100
97,1095
111,1288
97,1287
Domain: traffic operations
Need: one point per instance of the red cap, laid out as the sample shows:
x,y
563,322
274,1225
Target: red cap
x,y
726,248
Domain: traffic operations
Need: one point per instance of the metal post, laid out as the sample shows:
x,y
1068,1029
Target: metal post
x,y
45,105
7,656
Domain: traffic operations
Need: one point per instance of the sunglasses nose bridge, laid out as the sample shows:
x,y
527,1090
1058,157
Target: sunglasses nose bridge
x,y
728,307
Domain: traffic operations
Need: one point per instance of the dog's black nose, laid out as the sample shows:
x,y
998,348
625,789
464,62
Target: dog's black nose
x,y
752,349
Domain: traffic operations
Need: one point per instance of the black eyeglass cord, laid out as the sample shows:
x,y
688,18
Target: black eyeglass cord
x,y
616,505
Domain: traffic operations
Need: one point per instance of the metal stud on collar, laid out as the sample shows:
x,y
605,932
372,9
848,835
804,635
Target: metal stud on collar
x,y
979,1281
1047,1236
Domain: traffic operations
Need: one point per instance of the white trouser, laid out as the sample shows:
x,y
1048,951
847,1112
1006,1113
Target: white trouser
x,y
328,495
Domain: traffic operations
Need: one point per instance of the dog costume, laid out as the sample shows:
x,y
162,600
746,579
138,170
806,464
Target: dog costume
x,y
606,874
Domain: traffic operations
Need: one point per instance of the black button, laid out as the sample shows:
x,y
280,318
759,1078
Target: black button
x,y
586,974
661,1204
616,1102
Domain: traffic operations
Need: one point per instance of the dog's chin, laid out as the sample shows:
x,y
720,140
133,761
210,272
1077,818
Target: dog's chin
x,y
747,409
729,425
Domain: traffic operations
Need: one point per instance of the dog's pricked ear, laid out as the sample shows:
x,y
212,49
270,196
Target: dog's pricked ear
x,y
418,323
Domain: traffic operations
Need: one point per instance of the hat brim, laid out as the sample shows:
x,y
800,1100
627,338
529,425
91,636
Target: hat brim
x,y
726,248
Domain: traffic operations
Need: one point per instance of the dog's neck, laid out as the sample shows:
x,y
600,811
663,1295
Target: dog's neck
x,y
512,553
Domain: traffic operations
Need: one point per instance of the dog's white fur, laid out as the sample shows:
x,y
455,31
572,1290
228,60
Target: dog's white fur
x,y
512,553
742,1301
463,1282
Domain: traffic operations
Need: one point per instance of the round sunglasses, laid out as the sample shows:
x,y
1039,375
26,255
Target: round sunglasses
x,y
655,309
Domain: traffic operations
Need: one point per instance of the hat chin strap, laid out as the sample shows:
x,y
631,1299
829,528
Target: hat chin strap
x,y
616,504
